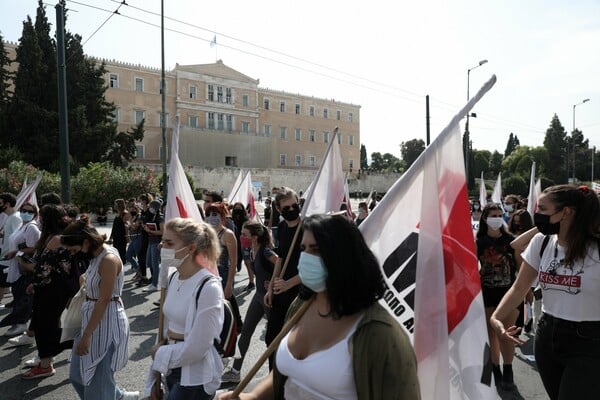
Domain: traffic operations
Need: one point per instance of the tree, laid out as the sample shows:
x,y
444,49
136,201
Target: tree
x,y
495,163
481,162
123,147
376,161
513,142
411,150
363,157
5,97
515,184
555,143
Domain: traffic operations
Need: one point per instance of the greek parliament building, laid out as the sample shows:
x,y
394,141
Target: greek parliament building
x,y
226,119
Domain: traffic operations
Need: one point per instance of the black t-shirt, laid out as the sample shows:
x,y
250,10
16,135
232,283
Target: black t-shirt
x,y
286,235
497,259
263,269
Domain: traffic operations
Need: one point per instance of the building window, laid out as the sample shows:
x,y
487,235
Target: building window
x,y
139,151
246,127
139,84
351,165
193,121
113,81
325,113
351,140
298,160
139,116
228,96
220,122
338,115
267,130
229,120
282,106
115,115
266,104
193,90
325,137
311,111
282,159
312,135
298,109
211,120
245,100
350,117
312,161
298,134
283,133
211,93
219,94
230,161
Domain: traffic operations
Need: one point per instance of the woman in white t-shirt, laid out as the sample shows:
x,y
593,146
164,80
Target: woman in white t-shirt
x,y
192,321
565,258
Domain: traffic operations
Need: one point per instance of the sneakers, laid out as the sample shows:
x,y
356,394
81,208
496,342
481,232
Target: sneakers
x,y
16,330
22,340
39,372
150,288
250,287
34,362
230,376
130,395
143,282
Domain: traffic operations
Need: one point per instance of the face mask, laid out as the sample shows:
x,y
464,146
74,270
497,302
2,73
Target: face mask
x,y
292,213
476,207
494,222
508,207
238,214
153,210
542,222
246,242
26,217
312,272
213,220
168,259
515,227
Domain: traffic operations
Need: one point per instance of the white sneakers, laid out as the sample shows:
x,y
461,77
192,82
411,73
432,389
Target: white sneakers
x,y
150,288
16,330
130,396
34,362
22,340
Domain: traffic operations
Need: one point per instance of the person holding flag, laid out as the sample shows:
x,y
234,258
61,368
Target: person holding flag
x,y
346,345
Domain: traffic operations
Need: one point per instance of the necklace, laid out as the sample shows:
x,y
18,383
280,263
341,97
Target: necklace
x,y
180,282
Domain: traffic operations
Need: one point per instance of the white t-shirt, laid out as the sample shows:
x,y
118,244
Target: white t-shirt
x,y
175,307
569,292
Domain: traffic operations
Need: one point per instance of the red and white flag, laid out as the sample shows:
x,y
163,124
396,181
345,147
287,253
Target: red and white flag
x,y
326,191
533,196
244,194
27,193
236,186
421,234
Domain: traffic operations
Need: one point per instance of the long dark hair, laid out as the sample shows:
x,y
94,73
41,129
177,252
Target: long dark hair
x,y
354,280
53,219
585,228
260,231
483,226
78,231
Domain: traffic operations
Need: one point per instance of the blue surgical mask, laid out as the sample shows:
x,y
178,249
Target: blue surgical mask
x,y
26,217
213,220
312,272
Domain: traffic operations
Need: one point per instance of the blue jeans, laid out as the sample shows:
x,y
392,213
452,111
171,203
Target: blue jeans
x,y
133,251
568,355
178,392
102,386
153,261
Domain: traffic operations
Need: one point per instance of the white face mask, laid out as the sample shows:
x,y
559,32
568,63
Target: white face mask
x,y
495,222
508,207
168,259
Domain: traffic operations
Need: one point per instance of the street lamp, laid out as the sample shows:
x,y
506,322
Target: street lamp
x,y
572,132
467,138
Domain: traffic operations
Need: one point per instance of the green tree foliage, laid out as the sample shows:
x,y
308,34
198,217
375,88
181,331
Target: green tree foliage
x,y
363,157
411,150
13,177
481,162
386,163
580,155
123,148
99,184
495,163
555,143
515,184
5,77
513,142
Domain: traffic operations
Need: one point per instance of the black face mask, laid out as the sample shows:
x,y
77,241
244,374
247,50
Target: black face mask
x,y
238,214
542,222
515,227
291,213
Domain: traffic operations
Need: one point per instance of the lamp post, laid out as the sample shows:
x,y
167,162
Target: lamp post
x,y
466,139
572,132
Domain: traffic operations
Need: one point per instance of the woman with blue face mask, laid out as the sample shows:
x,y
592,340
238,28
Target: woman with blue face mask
x,y
330,353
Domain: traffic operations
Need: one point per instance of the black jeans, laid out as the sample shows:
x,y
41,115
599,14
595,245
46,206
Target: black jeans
x,y
568,358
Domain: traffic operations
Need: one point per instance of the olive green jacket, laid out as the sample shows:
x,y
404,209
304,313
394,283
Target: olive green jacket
x,y
385,367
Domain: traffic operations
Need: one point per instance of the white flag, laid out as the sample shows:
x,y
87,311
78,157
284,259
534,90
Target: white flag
x,y
482,193
421,234
497,193
236,187
326,191
532,197
27,193
245,195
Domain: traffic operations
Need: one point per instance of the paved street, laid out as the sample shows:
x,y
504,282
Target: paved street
x,y
143,317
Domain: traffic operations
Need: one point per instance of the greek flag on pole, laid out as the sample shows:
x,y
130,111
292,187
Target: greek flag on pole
x,y
421,234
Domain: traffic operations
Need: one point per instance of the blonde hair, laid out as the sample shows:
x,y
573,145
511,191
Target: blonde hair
x,y
201,234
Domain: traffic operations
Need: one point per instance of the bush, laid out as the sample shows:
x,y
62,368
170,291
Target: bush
x,y
13,177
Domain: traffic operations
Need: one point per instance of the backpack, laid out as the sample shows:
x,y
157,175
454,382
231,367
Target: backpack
x,y
229,332
228,338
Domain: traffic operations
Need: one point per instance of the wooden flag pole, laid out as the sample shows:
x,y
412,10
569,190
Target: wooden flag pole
x,y
156,388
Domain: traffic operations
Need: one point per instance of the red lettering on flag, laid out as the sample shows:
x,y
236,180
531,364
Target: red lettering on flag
x,y
181,207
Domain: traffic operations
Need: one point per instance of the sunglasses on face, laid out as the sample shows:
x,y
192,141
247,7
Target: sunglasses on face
x,y
26,211
214,214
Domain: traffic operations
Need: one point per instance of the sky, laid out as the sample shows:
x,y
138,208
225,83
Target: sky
x,y
382,55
